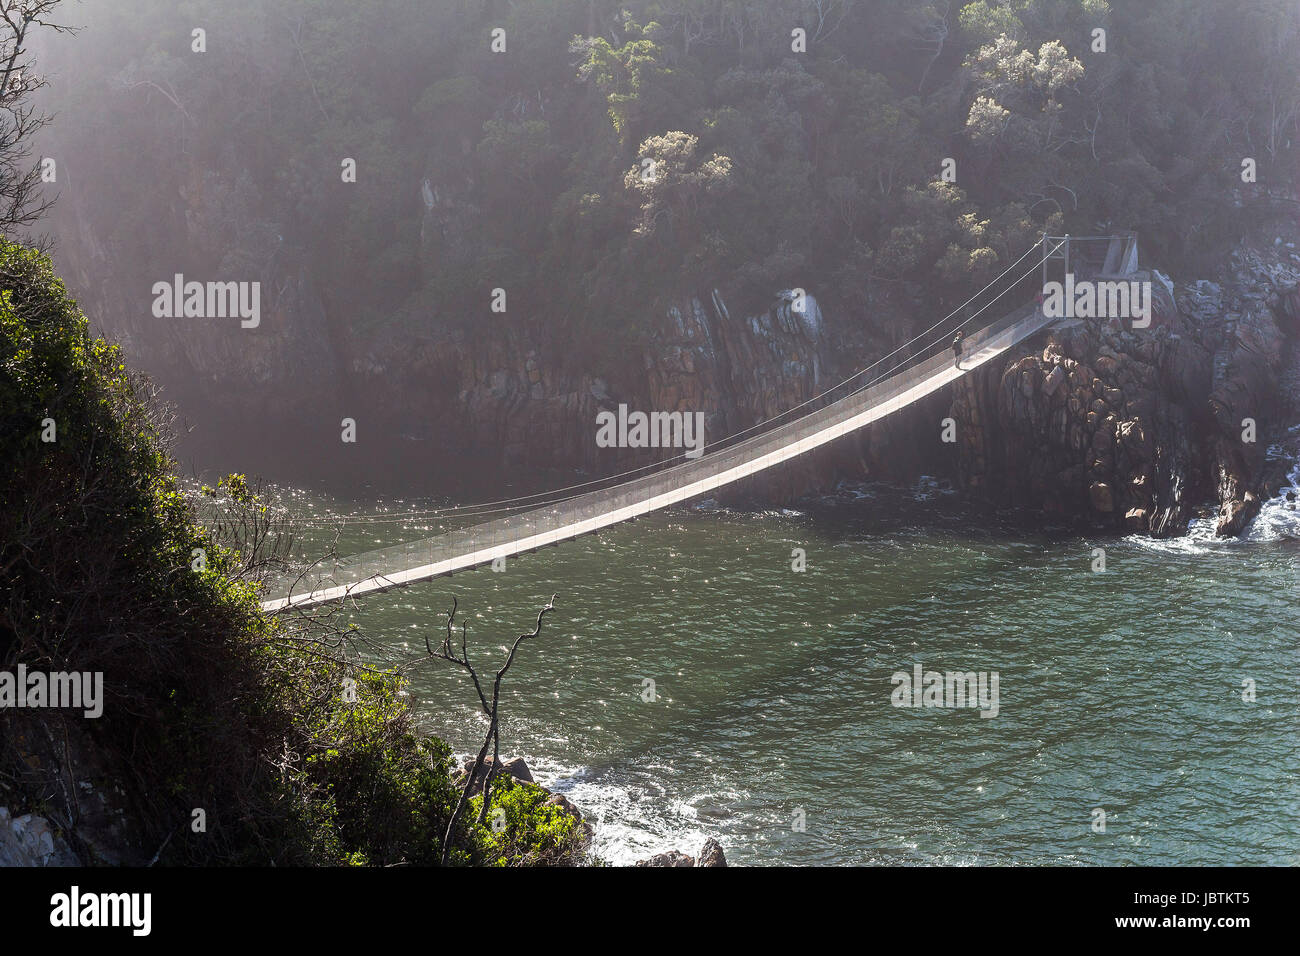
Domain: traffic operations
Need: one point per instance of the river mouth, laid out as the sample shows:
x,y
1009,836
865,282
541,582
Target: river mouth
x,y
772,725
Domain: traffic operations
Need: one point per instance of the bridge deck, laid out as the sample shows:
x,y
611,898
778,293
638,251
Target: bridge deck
x,y
527,530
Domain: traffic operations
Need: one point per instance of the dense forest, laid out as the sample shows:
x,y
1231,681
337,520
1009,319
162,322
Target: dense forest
x,y
796,143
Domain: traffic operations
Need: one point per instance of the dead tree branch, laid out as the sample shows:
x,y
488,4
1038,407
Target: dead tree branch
x,y
447,652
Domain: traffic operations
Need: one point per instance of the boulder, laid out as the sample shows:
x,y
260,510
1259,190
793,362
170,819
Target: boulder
x,y
671,858
710,855
1236,514
565,804
517,768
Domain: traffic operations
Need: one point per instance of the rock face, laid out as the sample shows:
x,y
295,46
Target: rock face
x,y
1127,429
1134,428
500,396
61,760
710,855
512,394
286,365
29,841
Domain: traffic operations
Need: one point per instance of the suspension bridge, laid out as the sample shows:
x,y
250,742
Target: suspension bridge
x,y
537,521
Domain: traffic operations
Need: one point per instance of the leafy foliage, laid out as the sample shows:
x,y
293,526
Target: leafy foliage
x,y
208,703
523,830
783,168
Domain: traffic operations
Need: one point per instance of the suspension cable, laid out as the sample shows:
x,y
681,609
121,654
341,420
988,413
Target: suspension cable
x,y
512,504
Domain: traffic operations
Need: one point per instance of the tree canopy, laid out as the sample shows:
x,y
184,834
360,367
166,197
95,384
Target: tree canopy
x,y
798,142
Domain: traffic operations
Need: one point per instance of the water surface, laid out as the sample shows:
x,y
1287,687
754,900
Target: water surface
x,y
1119,691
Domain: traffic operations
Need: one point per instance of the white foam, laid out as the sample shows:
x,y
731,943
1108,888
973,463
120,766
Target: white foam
x,y
1279,518
629,822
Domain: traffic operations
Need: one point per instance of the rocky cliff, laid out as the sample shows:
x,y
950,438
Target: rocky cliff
x,y
1124,429
1135,428
500,391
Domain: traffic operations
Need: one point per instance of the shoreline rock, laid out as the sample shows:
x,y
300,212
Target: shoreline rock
x,y
710,855
516,768
1136,430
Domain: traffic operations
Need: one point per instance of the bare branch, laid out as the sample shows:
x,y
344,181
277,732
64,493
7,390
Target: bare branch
x,y
493,737
20,183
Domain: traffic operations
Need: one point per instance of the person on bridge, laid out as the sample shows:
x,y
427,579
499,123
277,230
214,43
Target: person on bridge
x,y
956,348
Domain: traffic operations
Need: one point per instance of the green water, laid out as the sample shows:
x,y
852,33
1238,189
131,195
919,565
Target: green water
x,y
1119,691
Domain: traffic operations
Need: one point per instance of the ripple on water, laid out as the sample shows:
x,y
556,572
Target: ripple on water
x,y
772,701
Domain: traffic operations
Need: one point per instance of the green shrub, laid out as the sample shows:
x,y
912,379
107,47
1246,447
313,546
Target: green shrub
x,y
523,830
208,702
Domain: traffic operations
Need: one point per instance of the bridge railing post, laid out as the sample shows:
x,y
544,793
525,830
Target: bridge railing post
x,y
1047,254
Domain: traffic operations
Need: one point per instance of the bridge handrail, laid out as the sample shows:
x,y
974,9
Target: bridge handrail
x,y
530,522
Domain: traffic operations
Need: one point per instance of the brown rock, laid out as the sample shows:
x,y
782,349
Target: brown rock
x,y
1235,515
517,768
1131,433
711,854
671,858
565,804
